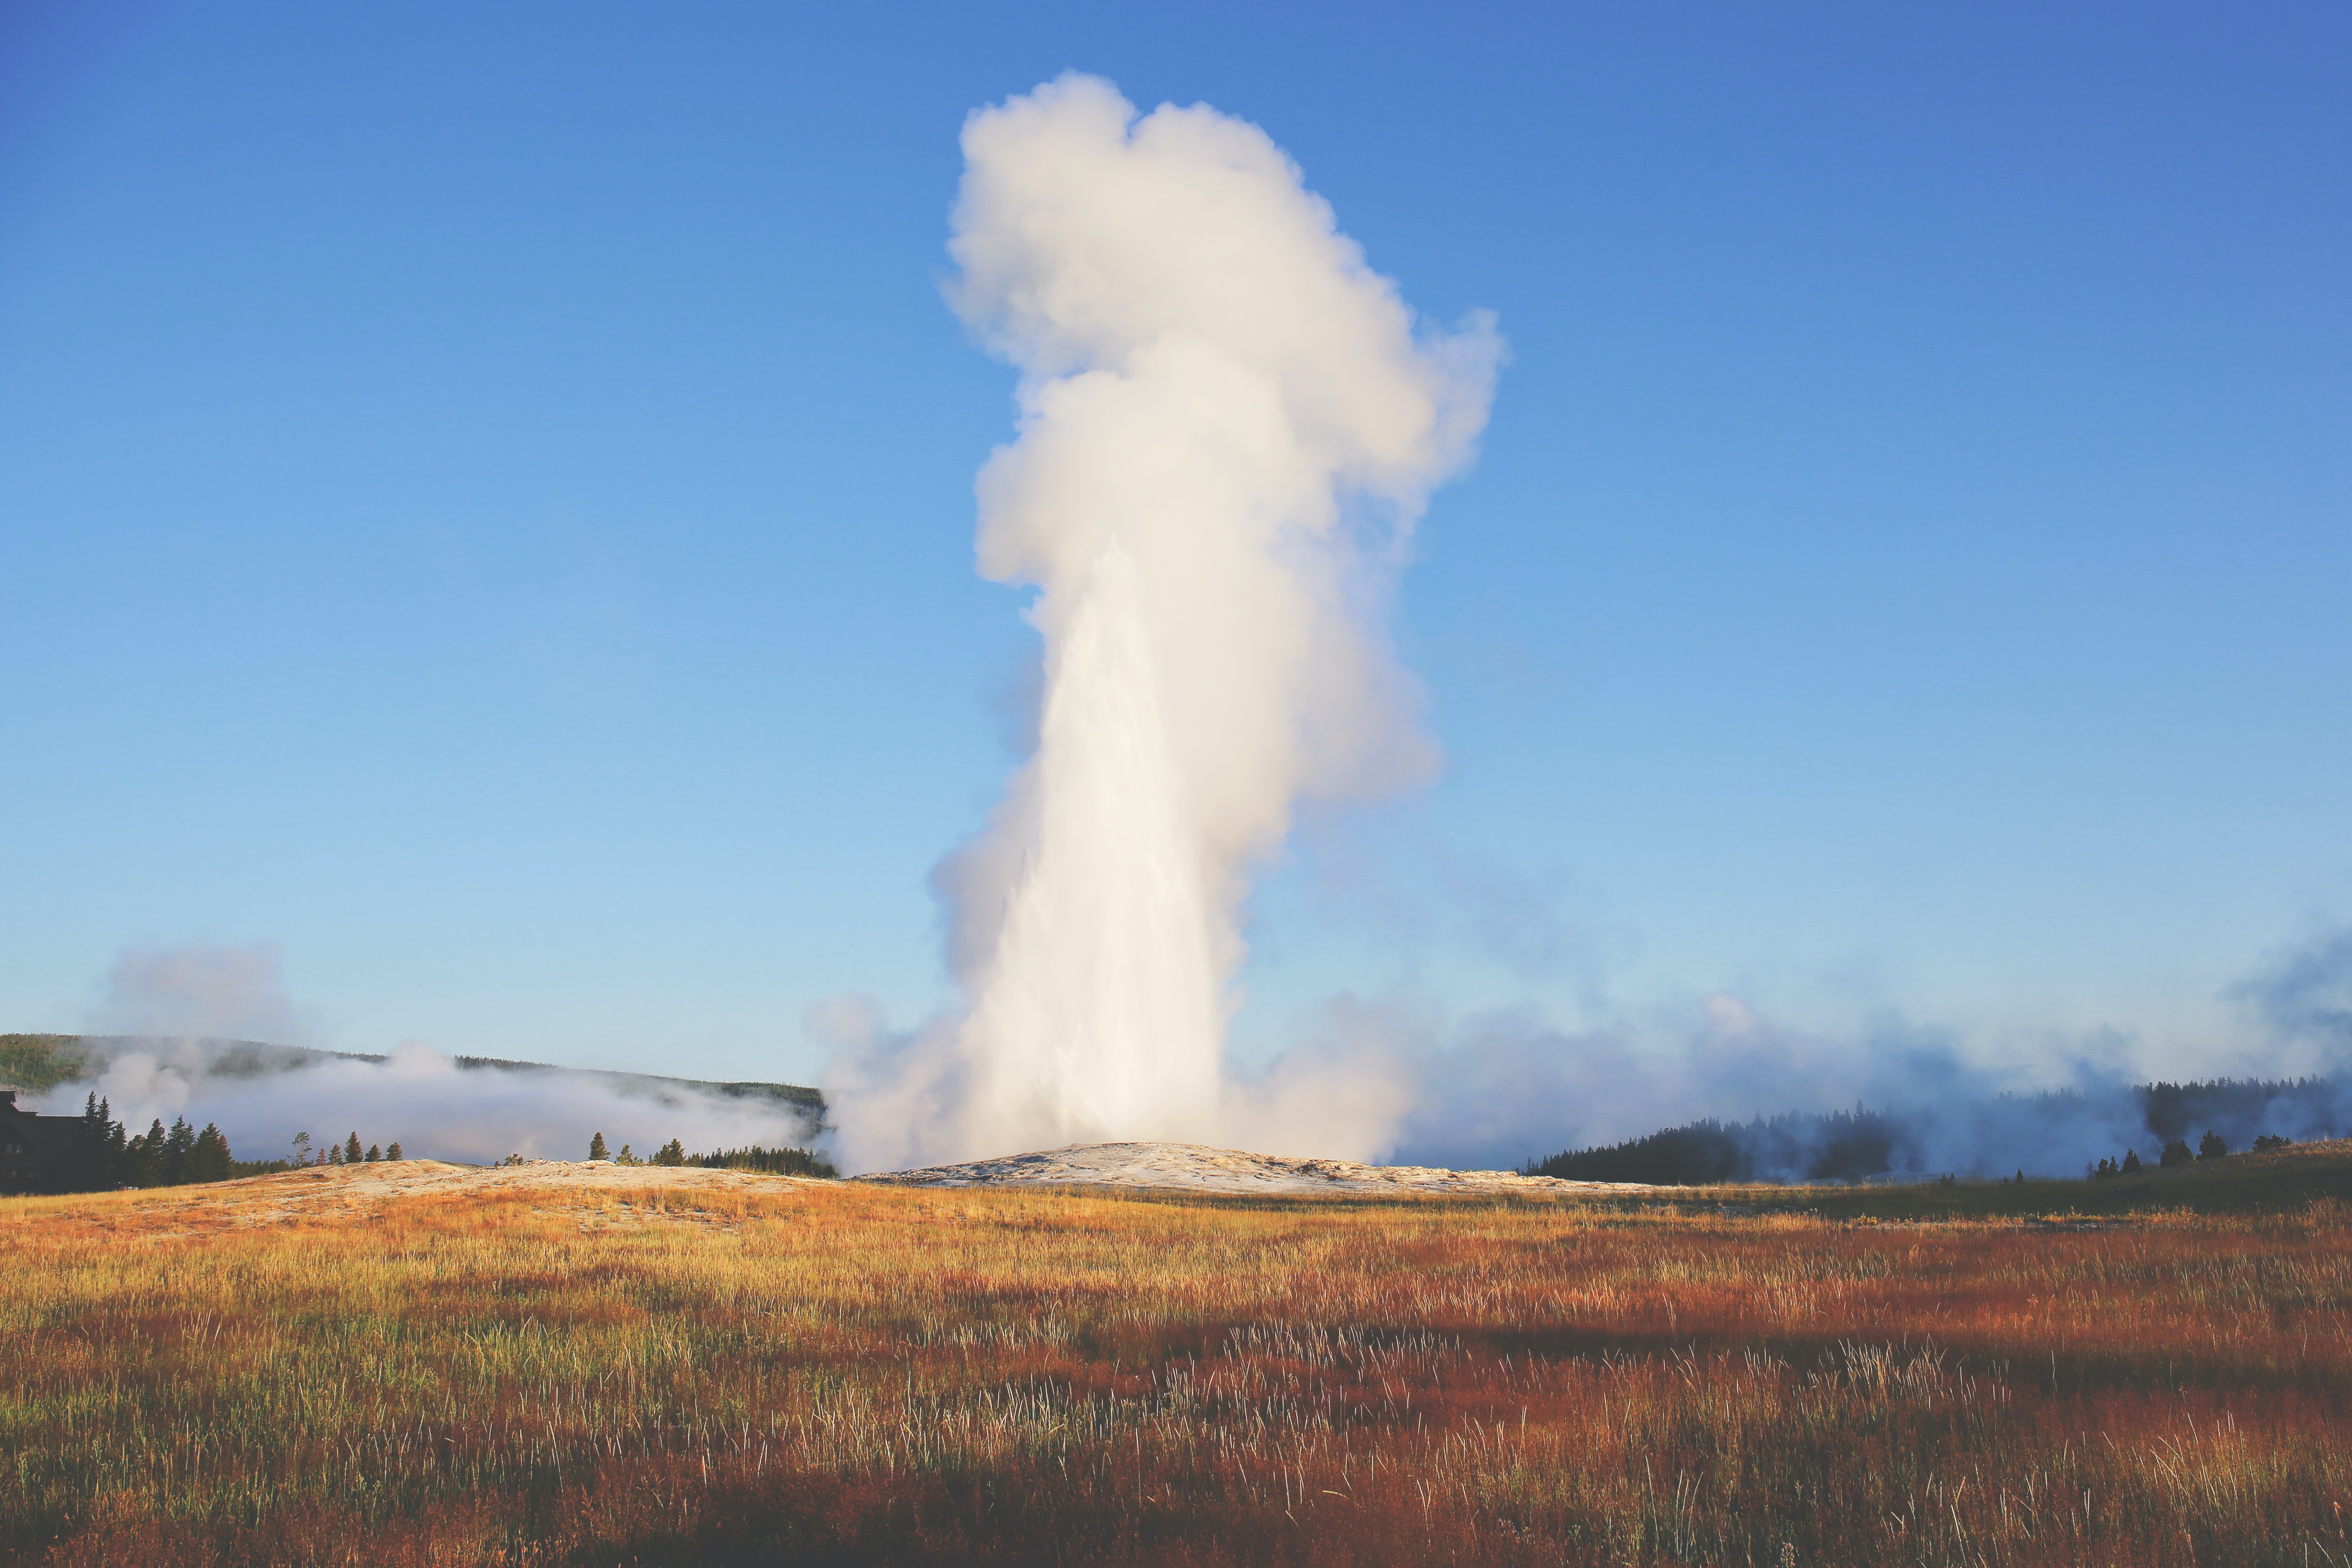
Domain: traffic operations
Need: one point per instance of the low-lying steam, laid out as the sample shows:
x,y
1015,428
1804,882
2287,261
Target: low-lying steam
x,y
1229,423
434,1105
180,1033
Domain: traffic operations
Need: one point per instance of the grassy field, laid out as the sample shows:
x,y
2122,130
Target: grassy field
x,y
707,1367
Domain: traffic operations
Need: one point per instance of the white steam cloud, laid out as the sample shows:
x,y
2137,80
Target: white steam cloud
x,y
432,1105
201,991
184,1031
1229,425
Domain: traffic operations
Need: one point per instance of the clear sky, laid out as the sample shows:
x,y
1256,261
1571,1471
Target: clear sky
x,y
486,510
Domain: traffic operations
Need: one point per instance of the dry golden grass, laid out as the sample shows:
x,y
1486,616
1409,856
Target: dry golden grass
x,y
531,1366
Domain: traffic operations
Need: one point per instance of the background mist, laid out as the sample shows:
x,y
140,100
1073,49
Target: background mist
x,y
208,1032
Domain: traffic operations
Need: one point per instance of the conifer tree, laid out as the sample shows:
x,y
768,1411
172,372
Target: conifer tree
x,y
394,1152
374,1154
141,1163
208,1157
177,1145
96,1149
352,1155
596,1149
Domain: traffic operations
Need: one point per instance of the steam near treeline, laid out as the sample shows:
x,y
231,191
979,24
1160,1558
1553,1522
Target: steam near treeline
x,y
259,1096
2115,1131
198,1031
1511,1085
96,1153
1495,1091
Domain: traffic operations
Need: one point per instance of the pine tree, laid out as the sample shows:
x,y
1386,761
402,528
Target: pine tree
x,y
96,1149
302,1148
670,1153
141,1162
596,1149
334,1155
394,1152
374,1154
177,1145
2131,1162
352,1155
208,1157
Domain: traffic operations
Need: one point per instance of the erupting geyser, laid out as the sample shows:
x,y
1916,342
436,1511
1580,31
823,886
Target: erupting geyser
x,y
1228,426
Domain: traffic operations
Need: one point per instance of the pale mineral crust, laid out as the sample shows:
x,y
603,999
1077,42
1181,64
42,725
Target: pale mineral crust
x,y
1195,1167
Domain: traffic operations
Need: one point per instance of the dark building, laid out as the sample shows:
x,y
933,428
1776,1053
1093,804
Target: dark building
x,y
36,1152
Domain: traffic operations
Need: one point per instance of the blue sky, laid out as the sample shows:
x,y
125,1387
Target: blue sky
x,y
485,507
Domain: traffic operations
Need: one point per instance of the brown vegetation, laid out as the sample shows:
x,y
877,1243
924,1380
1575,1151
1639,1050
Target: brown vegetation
x,y
558,1364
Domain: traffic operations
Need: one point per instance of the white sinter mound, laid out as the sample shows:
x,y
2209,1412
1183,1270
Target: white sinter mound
x,y
1197,1168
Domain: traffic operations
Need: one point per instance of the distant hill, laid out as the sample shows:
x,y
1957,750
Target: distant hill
x,y
42,1062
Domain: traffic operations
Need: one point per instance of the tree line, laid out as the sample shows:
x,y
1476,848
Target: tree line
x,y
2213,1146
347,1153
102,1154
775,1161
1851,1145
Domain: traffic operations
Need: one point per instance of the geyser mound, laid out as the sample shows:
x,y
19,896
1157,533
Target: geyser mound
x,y
1196,1167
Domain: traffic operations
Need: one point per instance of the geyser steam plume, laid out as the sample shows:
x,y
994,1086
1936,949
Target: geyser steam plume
x,y
1228,426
